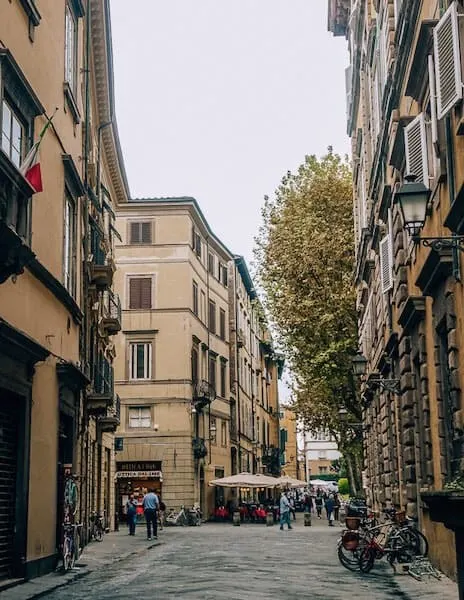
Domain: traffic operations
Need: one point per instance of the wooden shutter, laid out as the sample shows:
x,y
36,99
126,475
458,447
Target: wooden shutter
x,y
134,233
140,292
415,140
134,292
385,264
145,293
146,232
447,61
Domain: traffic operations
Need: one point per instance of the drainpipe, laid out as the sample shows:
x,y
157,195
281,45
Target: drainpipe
x,y
237,373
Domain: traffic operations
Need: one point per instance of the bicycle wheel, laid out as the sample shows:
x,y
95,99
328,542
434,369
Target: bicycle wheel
x,y
366,560
416,540
348,558
99,533
67,554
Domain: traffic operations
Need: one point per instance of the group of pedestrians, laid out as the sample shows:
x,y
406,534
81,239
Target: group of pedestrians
x,y
329,501
153,508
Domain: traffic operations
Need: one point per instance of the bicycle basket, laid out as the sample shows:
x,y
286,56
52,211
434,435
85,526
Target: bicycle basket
x,y
352,522
350,540
400,517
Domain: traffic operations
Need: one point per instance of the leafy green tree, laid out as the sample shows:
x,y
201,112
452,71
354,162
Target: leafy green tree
x,y
304,262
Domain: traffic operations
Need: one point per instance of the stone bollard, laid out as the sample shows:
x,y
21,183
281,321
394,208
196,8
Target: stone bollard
x,y
236,518
269,519
307,519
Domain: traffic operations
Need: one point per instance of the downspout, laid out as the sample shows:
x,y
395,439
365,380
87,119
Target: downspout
x,y
209,339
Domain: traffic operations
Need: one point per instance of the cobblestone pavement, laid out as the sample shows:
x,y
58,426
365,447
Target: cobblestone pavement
x,y
251,561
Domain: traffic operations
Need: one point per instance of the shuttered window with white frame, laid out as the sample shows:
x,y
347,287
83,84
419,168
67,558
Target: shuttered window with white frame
x,y
415,141
447,61
385,254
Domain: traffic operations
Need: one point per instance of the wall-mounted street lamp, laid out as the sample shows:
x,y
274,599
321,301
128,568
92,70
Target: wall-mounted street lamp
x,y
359,362
413,199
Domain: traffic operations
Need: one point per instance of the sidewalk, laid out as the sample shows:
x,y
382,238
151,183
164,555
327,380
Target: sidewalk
x,y
116,546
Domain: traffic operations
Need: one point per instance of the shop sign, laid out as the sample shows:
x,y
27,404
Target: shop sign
x,y
139,465
139,475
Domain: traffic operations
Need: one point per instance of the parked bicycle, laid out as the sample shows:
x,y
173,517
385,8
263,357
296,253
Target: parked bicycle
x,y
185,516
71,546
365,541
97,527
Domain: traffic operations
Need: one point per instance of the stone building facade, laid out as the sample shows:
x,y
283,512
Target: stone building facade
x,y
175,368
404,112
255,371
57,405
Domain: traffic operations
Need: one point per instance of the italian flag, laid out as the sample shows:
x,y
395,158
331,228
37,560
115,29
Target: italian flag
x,y
30,167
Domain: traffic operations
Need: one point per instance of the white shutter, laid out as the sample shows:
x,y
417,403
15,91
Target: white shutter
x,y
385,264
447,61
415,141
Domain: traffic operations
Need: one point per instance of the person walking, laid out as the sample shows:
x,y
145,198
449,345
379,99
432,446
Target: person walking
x,y
308,503
329,507
150,507
318,501
131,511
291,501
337,505
284,511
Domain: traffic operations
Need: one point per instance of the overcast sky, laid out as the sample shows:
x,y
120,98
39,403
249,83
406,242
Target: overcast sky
x,y
217,99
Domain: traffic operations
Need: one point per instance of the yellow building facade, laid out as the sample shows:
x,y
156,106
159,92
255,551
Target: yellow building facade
x,y
51,412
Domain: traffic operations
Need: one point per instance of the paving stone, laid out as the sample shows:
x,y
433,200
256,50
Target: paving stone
x,y
221,561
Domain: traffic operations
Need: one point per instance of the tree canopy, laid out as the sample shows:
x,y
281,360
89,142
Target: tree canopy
x,y
304,258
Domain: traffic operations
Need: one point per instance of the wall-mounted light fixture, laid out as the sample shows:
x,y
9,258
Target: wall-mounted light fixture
x,y
413,199
359,362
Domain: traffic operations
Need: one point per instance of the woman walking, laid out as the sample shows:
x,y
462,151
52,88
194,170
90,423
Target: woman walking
x,y
318,501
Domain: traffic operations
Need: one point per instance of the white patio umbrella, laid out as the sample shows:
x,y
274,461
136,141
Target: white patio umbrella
x,y
246,480
291,482
320,483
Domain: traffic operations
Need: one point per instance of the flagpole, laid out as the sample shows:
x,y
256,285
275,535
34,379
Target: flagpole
x,y
48,123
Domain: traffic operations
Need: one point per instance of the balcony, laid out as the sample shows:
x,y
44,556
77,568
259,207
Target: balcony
x,y
101,264
101,395
111,313
15,198
203,394
199,448
110,422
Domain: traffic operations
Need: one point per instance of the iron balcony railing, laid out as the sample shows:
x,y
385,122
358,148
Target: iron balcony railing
x,y
96,245
103,377
203,393
111,306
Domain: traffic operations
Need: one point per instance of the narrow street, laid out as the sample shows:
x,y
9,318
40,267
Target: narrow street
x,y
235,563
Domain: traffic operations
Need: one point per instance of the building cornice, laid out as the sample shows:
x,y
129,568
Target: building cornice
x,y
102,50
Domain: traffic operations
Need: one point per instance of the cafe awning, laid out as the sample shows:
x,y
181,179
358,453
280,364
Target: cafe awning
x,y
291,482
245,480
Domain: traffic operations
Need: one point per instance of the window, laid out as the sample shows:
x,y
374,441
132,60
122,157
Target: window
x,y
203,306
223,379
141,233
140,360
223,433
211,263
195,298
195,363
415,139
222,324
70,49
196,243
212,371
224,276
212,316
12,134
69,242
323,470
139,416
140,292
